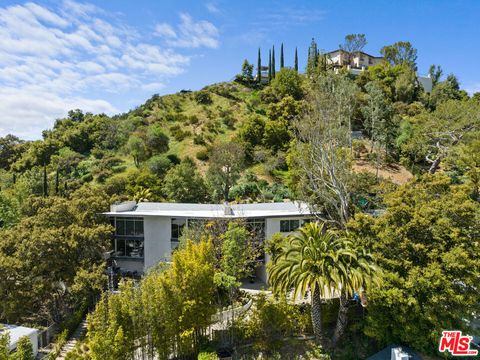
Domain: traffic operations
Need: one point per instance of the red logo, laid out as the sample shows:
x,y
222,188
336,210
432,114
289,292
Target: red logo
x,y
456,344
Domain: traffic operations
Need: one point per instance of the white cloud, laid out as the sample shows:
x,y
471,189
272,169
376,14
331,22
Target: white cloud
x,y
212,8
189,33
165,30
76,56
30,111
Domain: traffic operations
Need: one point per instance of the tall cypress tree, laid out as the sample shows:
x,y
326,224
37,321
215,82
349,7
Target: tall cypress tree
x,y
259,67
273,62
296,60
312,58
282,62
269,65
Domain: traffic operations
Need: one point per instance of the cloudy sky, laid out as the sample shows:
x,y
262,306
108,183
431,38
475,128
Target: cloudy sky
x,y
110,56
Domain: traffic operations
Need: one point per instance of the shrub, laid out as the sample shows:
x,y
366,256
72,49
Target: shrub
x,y
157,140
287,82
198,139
207,355
174,159
271,321
358,147
202,155
203,97
159,165
229,121
178,133
24,349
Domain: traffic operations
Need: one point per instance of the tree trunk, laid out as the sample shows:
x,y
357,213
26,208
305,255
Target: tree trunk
x,y
56,182
435,165
342,318
45,181
317,314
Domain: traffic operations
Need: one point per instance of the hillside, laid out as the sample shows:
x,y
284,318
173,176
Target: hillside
x,y
391,172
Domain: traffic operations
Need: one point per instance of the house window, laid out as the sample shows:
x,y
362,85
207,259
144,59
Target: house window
x,y
289,225
257,227
129,248
128,240
128,226
177,228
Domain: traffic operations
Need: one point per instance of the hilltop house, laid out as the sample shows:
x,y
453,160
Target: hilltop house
x,y
359,61
146,233
356,60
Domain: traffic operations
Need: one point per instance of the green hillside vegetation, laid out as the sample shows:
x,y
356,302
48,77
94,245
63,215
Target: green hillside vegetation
x,y
284,137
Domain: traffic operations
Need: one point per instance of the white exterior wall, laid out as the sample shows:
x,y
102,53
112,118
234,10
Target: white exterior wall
x,y
272,226
157,235
16,335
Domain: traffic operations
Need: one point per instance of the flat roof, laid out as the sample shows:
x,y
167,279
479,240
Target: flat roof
x,y
279,209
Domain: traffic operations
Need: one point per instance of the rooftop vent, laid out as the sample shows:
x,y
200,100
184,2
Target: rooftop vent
x,y
227,209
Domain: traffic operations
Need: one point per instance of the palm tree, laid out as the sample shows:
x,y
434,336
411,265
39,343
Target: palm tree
x,y
314,260
360,272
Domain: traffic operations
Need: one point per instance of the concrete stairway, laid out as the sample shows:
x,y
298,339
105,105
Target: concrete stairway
x,y
70,344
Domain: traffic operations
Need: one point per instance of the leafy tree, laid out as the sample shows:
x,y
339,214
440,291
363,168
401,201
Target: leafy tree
x,y
247,71
447,90
277,135
353,44
435,72
162,317
41,256
435,134
430,280
156,139
235,252
9,210
76,115
226,163
252,130
159,165
184,184
320,157
385,75
378,119
10,150
282,60
406,86
288,83
401,52
137,148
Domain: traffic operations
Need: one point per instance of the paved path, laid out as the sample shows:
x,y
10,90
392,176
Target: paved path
x,y
70,344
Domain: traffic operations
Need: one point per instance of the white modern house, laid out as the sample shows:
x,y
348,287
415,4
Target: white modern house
x,y
17,332
146,233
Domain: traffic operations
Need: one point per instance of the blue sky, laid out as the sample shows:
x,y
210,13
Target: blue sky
x,y
110,56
